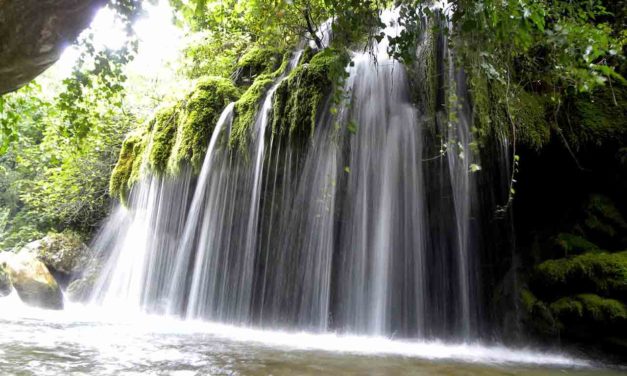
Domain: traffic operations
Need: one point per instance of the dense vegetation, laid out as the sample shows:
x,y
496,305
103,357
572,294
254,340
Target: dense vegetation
x,y
545,77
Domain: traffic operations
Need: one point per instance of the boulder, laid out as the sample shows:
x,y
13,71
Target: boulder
x,y
32,280
62,253
81,288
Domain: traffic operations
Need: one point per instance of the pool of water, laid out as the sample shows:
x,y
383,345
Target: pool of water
x,y
85,340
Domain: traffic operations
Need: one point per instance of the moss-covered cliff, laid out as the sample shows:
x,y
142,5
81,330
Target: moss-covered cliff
x,y
178,135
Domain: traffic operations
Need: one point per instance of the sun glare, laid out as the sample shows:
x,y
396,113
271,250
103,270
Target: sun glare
x,y
159,40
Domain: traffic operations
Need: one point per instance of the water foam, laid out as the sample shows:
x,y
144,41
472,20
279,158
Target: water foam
x,y
104,328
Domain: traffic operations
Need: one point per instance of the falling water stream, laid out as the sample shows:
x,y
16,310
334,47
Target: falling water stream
x,y
286,259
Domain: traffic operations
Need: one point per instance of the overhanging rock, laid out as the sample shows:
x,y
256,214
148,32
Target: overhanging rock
x,y
33,34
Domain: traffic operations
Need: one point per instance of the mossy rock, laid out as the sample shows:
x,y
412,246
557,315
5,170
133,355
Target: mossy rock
x,y
597,117
180,133
200,112
247,107
589,310
177,135
299,98
257,61
63,253
82,287
307,55
528,111
80,290
602,273
127,170
163,135
33,282
506,111
424,76
537,315
572,244
603,218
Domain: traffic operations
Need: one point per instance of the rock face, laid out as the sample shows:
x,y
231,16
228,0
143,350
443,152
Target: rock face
x,y
32,280
33,33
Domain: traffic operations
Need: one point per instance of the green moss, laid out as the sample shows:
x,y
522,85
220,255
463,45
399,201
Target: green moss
x,y
246,109
58,241
307,54
200,112
602,216
596,117
490,112
602,273
126,171
567,308
537,315
175,136
426,75
258,61
298,98
497,106
602,309
588,309
528,300
162,138
574,244
529,114
479,96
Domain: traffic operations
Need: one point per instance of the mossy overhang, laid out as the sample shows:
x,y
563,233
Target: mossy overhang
x,y
176,136
34,33
300,97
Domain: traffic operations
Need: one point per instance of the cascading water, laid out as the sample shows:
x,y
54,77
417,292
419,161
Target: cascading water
x,y
142,241
333,235
380,276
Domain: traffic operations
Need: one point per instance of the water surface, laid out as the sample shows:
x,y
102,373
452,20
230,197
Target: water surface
x,y
90,341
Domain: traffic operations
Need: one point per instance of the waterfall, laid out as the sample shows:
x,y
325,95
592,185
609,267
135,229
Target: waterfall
x,y
141,242
357,231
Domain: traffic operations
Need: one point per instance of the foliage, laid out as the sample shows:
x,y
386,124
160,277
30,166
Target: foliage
x,y
22,109
535,67
561,43
209,53
51,181
283,23
98,76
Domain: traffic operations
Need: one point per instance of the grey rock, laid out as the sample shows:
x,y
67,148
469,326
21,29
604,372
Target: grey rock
x,y
34,33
